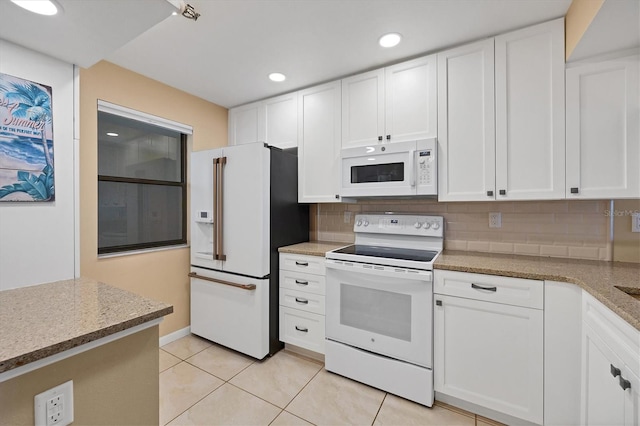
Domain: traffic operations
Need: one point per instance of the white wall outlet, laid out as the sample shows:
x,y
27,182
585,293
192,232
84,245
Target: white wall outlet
x,y
347,217
495,220
54,407
635,222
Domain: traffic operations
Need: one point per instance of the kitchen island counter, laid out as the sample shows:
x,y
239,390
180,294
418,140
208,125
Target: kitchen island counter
x,y
600,279
44,320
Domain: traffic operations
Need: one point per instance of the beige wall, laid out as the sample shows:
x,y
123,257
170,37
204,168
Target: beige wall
x,y
626,244
570,229
160,275
579,16
122,391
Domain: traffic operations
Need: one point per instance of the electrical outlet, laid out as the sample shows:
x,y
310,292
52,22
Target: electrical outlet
x,y
54,407
347,217
495,220
635,222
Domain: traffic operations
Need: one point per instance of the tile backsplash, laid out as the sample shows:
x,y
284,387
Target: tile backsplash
x,y
565,228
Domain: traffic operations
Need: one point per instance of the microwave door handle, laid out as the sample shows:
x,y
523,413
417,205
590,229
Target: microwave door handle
x,y
412,155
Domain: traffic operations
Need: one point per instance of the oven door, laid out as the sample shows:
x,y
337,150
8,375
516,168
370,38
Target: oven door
x,y
381,170
380,310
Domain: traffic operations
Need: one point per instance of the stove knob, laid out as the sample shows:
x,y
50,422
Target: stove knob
x,y
435,226
359,222
366,223
418,225
427,225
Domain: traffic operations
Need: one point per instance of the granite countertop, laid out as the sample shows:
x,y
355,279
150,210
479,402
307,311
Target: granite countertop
x,y
598,278
43,320
312,248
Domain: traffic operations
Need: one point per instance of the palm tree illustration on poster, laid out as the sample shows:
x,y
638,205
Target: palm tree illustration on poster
x,y
26,141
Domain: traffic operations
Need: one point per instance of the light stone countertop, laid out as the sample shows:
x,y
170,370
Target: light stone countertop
x,y
43,320
312,248
598,278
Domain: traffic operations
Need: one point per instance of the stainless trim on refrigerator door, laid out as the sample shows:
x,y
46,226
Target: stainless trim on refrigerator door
x,y
229,283
218,207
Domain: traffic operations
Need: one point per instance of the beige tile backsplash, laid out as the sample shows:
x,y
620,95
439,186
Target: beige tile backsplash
x,y
567,228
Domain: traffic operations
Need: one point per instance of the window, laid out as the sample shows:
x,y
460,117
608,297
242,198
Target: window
x,y
142,189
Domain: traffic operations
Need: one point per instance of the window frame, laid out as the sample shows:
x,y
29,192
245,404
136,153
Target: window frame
x,y
182,184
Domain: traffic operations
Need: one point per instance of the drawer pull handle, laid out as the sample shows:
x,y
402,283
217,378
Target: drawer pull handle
x,y
624,383
302,301
302,263
302,282
303,329
615,372
481,287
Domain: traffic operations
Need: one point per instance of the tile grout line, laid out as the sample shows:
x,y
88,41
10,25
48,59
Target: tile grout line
x,y
380,408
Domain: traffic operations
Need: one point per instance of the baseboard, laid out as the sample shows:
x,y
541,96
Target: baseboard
x,y
174,336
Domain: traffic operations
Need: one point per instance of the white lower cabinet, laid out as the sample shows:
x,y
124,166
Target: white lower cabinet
x,y
610,364
488,348
302,298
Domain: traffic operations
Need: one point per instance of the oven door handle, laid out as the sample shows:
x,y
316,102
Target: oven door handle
x,y
358,268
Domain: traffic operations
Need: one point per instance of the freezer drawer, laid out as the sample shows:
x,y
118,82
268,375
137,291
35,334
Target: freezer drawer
x,y
234,317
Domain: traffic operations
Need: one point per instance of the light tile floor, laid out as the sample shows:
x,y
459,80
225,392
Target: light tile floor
x,y
202,383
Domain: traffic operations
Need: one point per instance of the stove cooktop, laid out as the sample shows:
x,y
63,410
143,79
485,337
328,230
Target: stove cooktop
x,y
388,252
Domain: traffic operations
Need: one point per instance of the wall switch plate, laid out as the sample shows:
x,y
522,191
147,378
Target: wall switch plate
x,y
495,220
347,217
54,407
635,222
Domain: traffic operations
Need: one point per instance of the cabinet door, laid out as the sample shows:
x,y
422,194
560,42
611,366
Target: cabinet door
x,y
530,130
603,145
281,121
466,123
363,109
411,100
246,124
602,397
319,144
490,354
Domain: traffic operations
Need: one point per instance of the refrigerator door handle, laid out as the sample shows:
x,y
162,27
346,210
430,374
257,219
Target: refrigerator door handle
x,y
215,208
229,283
220,204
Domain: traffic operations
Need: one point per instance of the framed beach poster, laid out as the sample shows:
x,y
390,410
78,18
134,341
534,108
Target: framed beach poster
x,y
26,141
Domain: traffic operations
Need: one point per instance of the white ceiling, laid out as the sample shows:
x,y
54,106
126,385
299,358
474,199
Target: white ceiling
x,y
226,55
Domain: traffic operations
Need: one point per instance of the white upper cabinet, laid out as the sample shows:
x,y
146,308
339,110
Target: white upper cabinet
x,y
603,146
274,121
393,104
281,121
530,122
244,124
319,144
466,123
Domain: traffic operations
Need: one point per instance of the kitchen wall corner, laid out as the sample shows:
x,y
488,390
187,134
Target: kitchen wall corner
x,y
159,275
626,244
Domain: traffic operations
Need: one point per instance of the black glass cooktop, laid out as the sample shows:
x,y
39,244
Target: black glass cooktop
x,y
389,252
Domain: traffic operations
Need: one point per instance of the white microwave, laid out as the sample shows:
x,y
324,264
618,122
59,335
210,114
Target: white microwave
x,y
390,170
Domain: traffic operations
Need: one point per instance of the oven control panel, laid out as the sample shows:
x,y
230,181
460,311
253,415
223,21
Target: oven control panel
x,y
399,224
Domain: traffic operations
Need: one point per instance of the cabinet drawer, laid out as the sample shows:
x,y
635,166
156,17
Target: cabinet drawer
x,y
310,283
302,263
491,288
296,299
302,329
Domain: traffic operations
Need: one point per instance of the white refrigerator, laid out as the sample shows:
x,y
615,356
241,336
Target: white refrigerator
x,y
243,207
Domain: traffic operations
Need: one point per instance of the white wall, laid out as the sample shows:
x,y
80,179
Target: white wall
x,y
37,239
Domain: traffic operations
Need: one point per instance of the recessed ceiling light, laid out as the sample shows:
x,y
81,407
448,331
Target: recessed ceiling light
x,y
390,40
112,134
41,7
276,76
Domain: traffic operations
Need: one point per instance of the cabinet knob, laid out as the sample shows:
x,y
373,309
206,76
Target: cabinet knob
x,y
379,138
574,190
337,196
503,192
489,193
615,372
624,383
388,137
438,302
